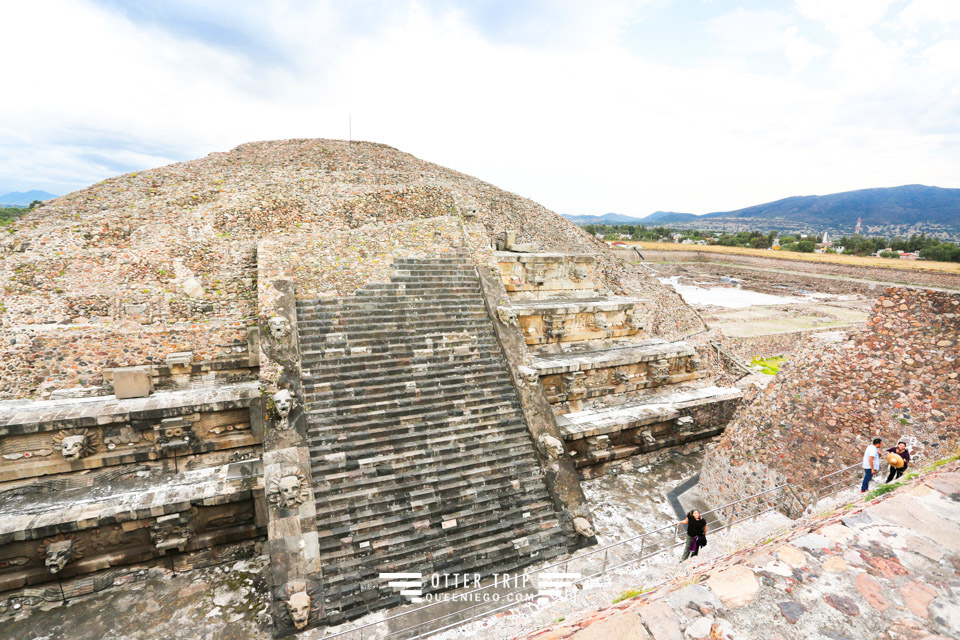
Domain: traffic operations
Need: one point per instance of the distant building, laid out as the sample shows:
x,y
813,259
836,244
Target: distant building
x,y
857,230
776,244
618,243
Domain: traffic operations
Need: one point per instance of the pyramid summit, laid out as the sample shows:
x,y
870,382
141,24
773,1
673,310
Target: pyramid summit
x,y
365,359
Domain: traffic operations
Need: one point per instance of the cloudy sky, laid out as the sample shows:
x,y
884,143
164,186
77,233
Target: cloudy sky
x,y
585,106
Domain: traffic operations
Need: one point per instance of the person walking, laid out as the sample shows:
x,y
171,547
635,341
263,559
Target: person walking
x,y
696,534
900,456
871,463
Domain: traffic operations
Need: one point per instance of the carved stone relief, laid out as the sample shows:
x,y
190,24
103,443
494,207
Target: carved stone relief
x,y
551,446
74,444
283,402
507,315
279,327
660,371
288,489
174,433
300,602
173,531
59,550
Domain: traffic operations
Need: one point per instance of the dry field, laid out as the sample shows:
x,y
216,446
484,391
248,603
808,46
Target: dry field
x,y
857,261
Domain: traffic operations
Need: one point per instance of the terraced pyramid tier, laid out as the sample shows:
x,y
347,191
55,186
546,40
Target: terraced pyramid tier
x,y
553,321
570,378
420,455
645,424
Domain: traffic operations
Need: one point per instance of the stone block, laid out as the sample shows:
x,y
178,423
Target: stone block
x,y
179,358
735,586
659,618
132,382
620,626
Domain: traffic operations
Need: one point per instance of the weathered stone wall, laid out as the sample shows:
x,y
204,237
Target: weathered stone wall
x,y
37,359
774,344
338,263
897,379
170,252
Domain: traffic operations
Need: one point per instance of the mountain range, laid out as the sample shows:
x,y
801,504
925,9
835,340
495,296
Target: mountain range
x,y
909,208
24,198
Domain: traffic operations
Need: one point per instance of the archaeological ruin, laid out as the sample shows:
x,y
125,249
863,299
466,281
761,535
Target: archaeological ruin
x,y
346,363
330,354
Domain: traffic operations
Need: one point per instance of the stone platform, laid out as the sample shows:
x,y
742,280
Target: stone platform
x,y
95,488
615,390
603,434
881,569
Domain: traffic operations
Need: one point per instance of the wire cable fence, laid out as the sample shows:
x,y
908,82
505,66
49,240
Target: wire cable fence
x,y
531,585
424,621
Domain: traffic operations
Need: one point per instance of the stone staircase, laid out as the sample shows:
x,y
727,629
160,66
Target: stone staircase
x,y
615,390
420,456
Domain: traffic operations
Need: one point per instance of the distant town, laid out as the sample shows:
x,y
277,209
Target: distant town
x,y
916,247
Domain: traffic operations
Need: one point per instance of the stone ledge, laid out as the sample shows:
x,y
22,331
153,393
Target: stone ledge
x,y
593,422
19,416
87,509
578,305
653,349
544,256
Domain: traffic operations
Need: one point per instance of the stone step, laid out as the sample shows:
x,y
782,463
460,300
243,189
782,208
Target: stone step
x,y
661,408
398,310
344,401
388,338
340,365
315,384
350,351
428,290
421,384
386,402
325,434
426,276
321,374
399,305
420,490
373,523
486,554
334,461
513,451
396,342
475,532
647,350
412,416
419,413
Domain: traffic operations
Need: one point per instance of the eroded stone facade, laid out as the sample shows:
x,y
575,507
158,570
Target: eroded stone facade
x,y
897,379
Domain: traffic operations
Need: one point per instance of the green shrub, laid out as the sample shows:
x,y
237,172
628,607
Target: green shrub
x,y
631,594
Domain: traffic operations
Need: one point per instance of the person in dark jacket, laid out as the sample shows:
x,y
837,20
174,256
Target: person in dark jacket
x,y
900,450
696,534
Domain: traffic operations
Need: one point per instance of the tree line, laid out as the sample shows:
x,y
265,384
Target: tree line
x,y
9,214
929,248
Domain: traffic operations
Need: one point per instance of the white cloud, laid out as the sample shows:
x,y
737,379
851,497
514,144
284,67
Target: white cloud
x,y
845,16
799,51
585,128
943,14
